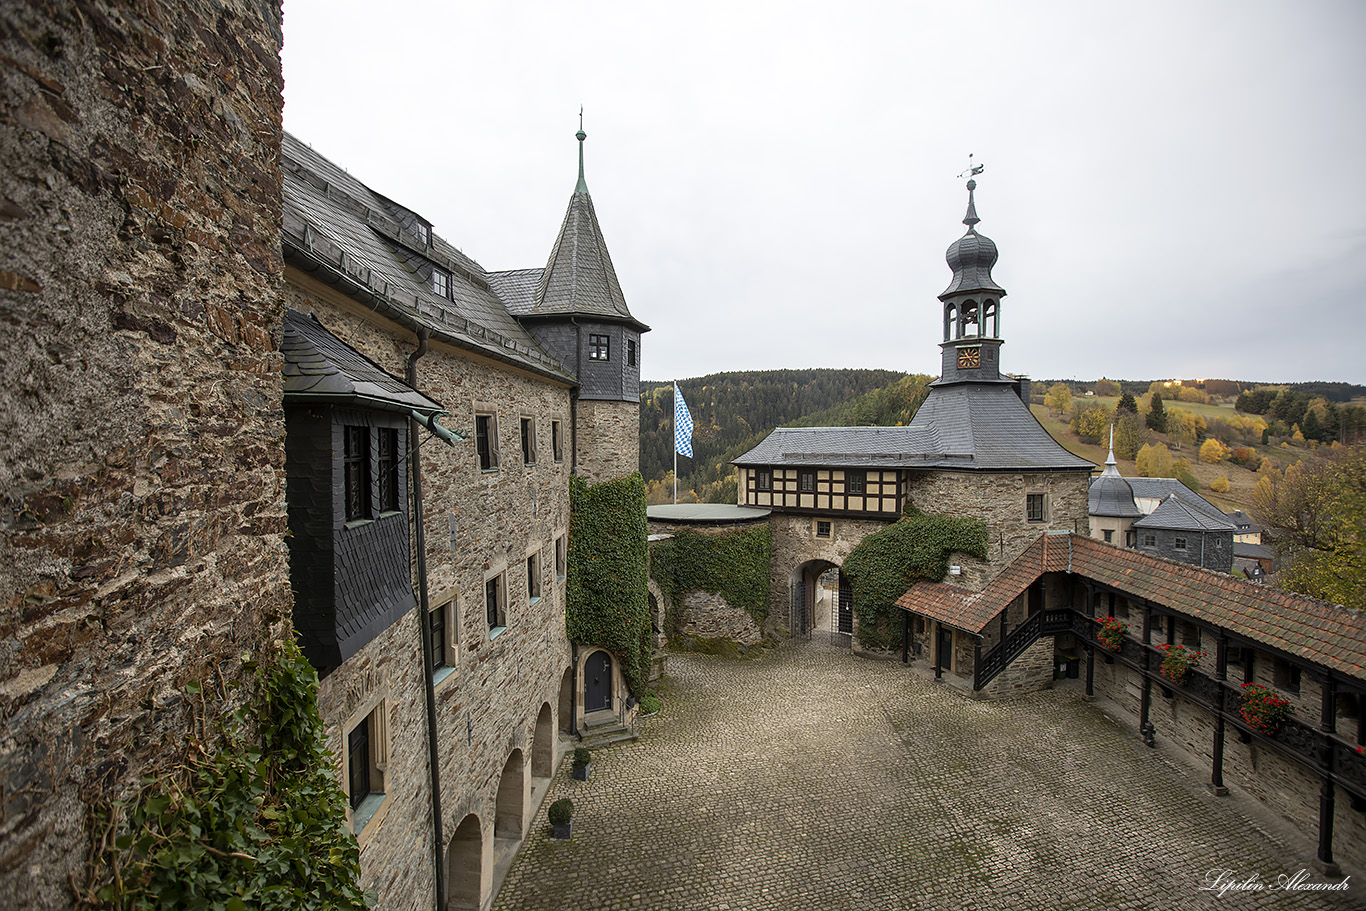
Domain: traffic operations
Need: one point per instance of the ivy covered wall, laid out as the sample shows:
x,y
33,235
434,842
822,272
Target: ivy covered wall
x,y
734,565
607,602
887,562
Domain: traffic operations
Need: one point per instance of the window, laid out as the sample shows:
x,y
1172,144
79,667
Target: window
x,y
630,352
1130,537
856,481
599,348
763,479
389,483
556,441
356,472
1150,540
486,441
533,577
822,529
495,602
806,481
438,625
441,283
528,441
1287,676
1109,536
1180,542
422,233
366,760
1034,507
560,557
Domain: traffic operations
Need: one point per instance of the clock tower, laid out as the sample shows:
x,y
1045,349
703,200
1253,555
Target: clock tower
x,y
972,308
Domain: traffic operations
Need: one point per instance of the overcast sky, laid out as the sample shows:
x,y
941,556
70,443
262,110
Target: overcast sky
x,y
1176,188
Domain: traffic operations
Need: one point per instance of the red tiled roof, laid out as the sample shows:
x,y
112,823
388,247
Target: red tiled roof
x,y
1317,631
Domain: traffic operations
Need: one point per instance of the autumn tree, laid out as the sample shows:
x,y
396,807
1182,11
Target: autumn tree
x,y
1059,398
1317,516
1154,461
1130,435
1219,485
1089,422
1106,387
1212,451
1157,415
1184,427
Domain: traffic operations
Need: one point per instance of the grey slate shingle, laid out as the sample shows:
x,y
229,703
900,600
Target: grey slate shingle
x,y
317,363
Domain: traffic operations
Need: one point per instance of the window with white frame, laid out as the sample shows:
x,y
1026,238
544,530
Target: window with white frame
x,y
441,283
599,348
1180,542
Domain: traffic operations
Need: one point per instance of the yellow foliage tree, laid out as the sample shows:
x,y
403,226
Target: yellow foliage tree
x,y
1154,461
1219,485
1213,451
1059,398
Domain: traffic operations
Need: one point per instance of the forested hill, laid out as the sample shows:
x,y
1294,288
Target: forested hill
x,y
732,412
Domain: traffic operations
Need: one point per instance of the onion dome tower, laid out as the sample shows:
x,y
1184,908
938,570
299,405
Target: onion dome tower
x,y
972,306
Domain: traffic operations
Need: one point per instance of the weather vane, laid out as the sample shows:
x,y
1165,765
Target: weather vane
x,y
973,169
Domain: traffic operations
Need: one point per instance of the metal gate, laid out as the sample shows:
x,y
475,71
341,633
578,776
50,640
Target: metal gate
x,y
842,615
796,621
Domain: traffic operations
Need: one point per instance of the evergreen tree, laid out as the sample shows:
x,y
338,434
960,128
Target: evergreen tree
x,y
1157,415
1127,403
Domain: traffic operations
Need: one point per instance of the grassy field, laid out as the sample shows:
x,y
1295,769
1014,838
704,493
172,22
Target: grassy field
x,y
1241,481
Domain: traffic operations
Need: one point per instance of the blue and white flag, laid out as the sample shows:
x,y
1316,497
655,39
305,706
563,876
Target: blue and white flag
x,y
682,425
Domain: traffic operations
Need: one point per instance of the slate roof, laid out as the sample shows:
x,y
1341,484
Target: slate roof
x,y
1111,495
1243,523
1253,551
1326,634
517,288
1161,488
349,236
1178,513
321,367
579,279
963,427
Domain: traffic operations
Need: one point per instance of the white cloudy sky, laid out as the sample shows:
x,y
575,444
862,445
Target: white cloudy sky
x,y
1176,188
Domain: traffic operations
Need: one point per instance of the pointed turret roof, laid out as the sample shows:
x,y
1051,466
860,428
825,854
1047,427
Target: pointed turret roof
x,y
578,279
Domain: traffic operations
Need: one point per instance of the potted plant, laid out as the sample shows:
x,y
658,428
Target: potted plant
x,y
1263,709
1111,632
561,817
583,763
1177,660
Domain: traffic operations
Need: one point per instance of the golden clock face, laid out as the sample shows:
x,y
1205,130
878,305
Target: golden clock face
x,y
969,357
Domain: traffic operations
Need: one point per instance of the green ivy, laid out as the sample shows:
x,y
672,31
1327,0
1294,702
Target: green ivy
x,y
607,603
888,562
248,822
734,565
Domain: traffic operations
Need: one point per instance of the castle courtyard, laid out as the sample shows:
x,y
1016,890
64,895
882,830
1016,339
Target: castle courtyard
x,y
815,779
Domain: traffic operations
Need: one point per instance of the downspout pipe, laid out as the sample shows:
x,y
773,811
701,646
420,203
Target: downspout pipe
x,y
574,398
424,628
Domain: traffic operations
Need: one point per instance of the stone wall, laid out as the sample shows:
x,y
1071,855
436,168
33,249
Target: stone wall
x,y
795,544
141,433
999,500
477,524
703,615
608,440
1285,786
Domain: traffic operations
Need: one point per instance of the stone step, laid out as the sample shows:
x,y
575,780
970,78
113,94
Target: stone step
x,y
596,738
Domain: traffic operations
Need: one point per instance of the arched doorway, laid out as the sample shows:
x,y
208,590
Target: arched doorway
x,y
542,744
507,823
597,682
465,866
821,602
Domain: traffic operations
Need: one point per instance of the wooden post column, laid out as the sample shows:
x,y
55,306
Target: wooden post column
x,y
1327,725
1145,700
1216,781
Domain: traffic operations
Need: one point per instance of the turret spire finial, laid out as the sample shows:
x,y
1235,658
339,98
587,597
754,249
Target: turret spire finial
x,y
973,170
582,185
1111,466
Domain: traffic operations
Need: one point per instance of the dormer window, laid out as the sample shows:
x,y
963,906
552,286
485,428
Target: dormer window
x,y
441,283
422,232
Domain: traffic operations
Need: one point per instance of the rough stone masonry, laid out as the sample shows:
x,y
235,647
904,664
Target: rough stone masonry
x,y
141,456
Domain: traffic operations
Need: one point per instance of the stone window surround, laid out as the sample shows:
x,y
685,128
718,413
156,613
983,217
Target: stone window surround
x,y
561,556
557,440
528,436
449,601
500,612
829,528
1039,499
488,413
535,568
371,812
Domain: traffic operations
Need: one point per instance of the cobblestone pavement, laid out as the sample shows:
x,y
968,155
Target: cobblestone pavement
x,y
814,779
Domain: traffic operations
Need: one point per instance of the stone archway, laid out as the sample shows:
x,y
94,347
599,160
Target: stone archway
x,y
509,821
825,610
465,866
597,682
543,744
567,701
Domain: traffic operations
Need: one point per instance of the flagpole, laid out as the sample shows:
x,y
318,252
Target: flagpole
x,y
675,442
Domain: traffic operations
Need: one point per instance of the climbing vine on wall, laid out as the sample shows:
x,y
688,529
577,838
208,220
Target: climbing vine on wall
x,y
253,821
888,562
607,589
734,565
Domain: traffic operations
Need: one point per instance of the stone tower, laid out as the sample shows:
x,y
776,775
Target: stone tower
x,y
580,315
